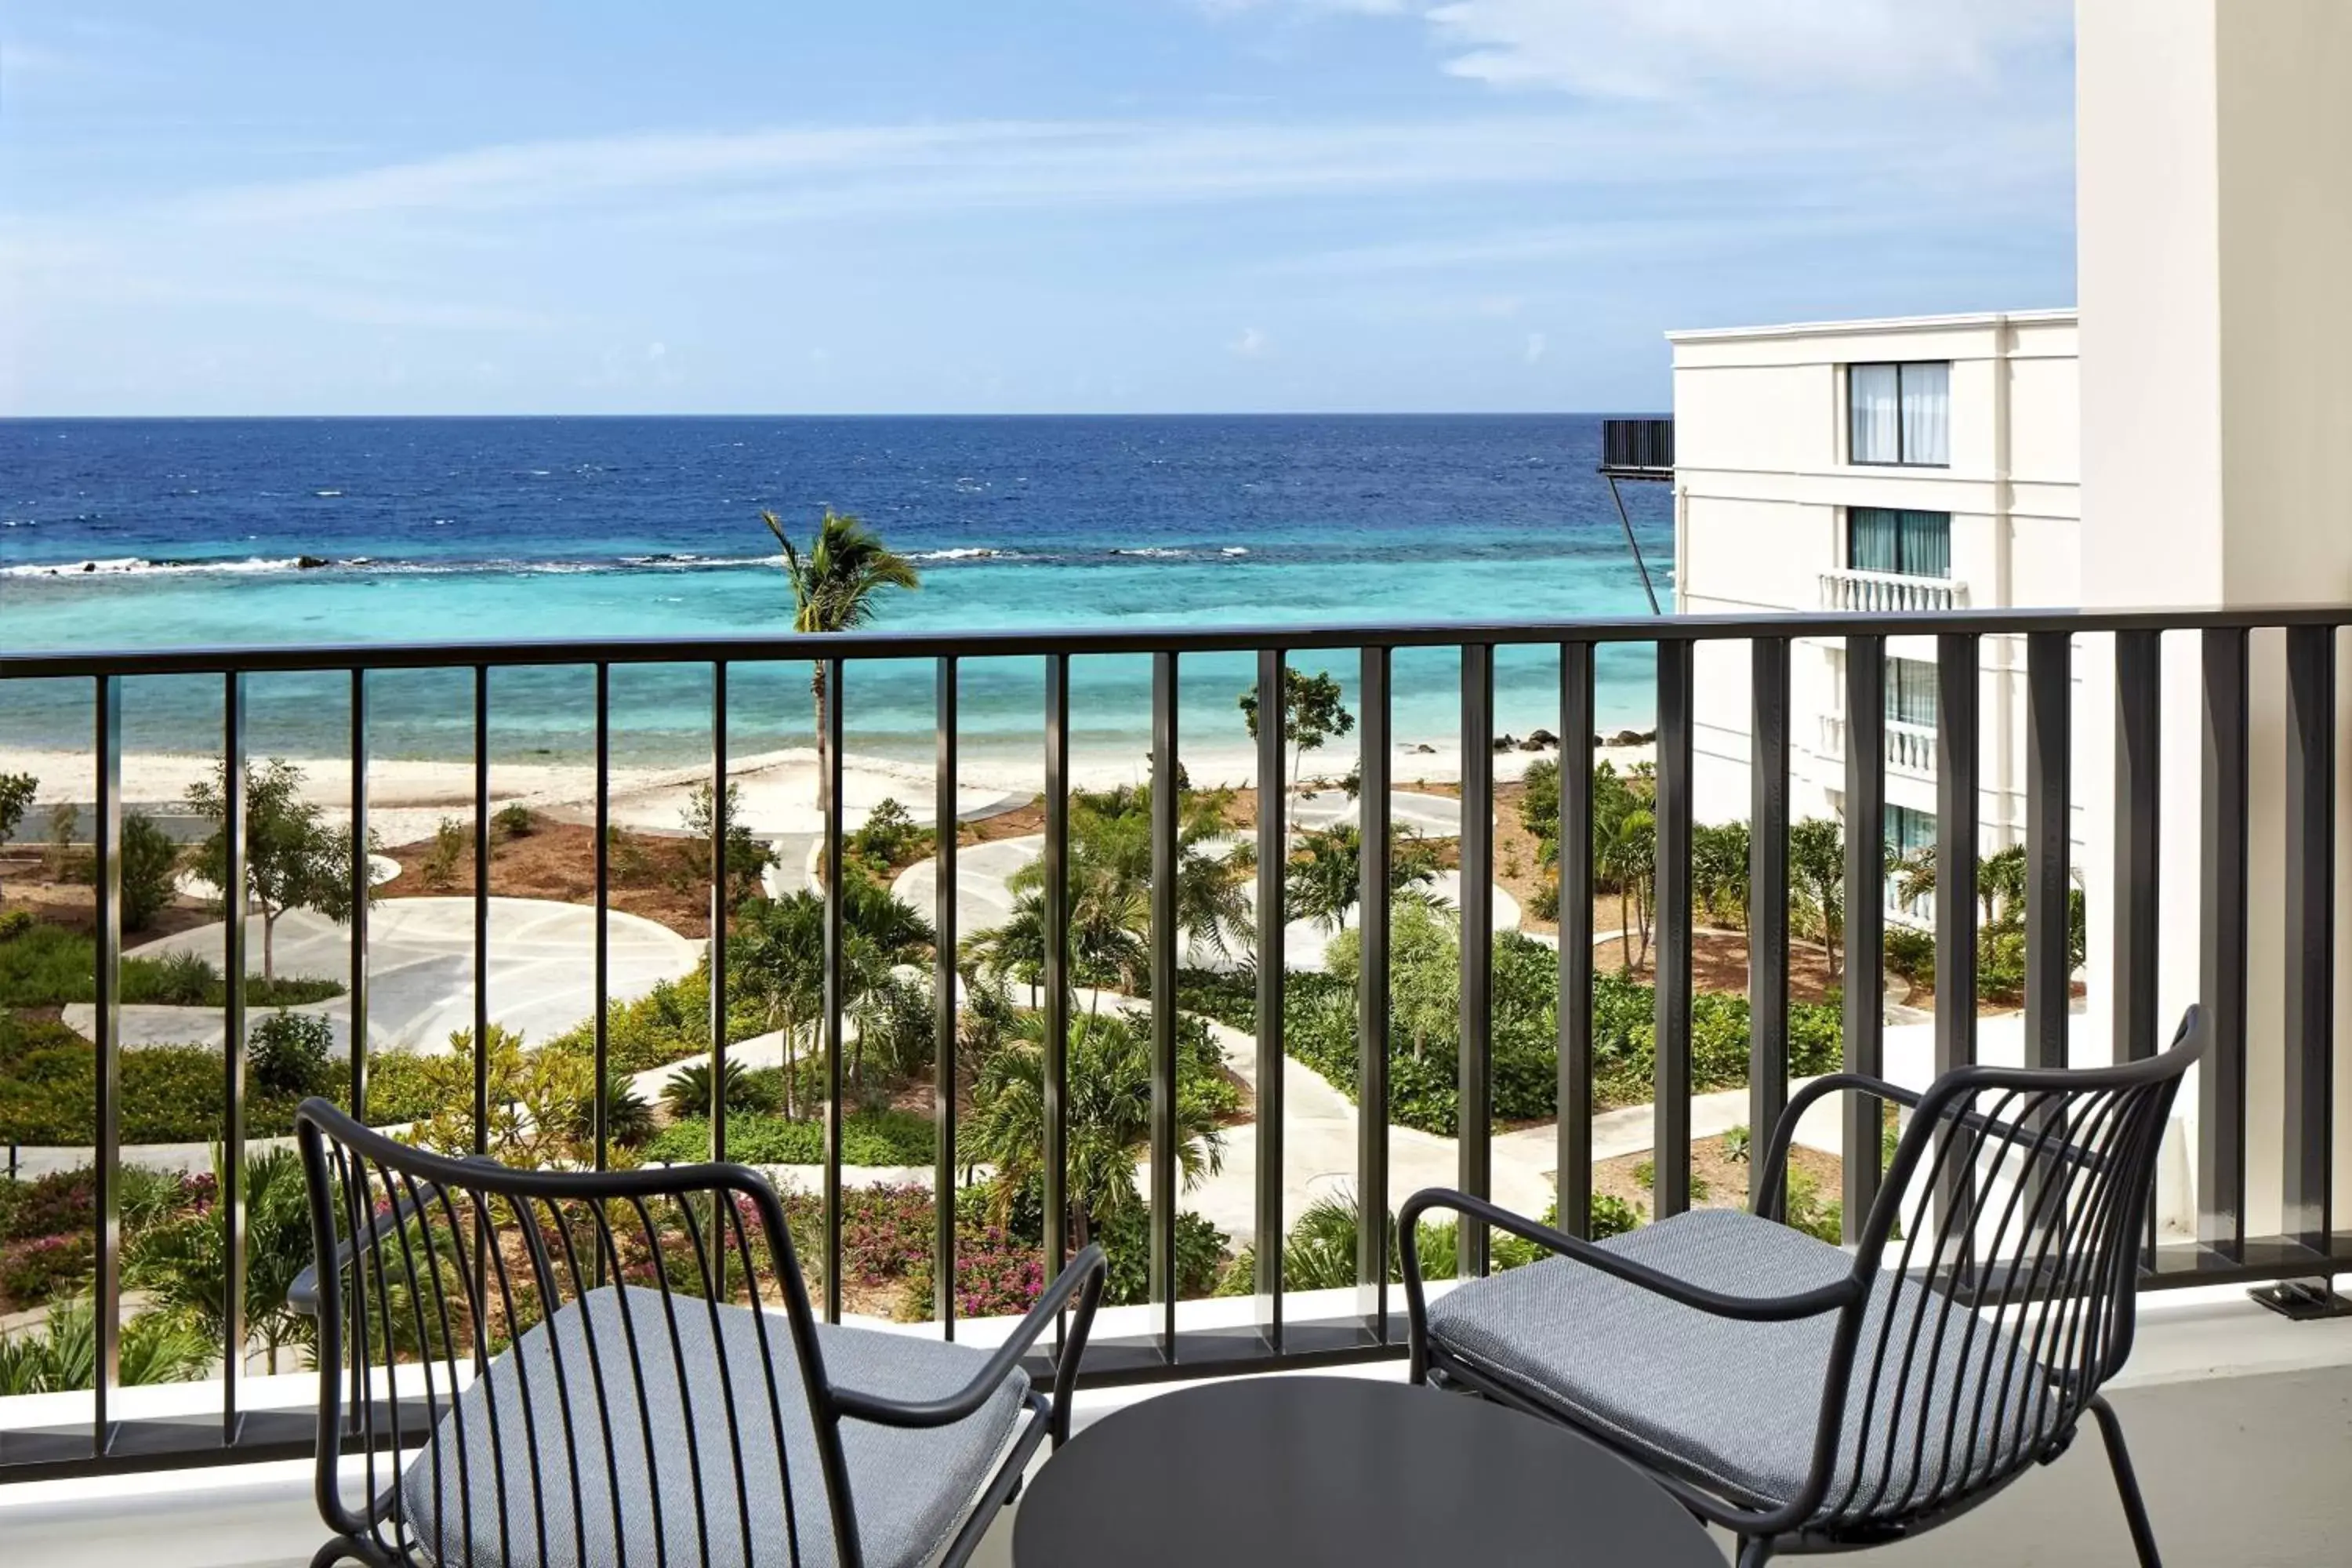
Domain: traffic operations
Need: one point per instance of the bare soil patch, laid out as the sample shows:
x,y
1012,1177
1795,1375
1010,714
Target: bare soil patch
x,y
1723,1179
650,874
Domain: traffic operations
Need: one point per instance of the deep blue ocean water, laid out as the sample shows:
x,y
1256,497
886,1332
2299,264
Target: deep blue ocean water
x,y
134,533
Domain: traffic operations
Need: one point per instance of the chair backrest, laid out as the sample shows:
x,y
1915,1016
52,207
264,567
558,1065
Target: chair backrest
x,y
566,1348
2002,1253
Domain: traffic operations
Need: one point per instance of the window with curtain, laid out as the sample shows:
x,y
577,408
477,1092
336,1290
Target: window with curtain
x,y
1911,691
1891,538
1900,414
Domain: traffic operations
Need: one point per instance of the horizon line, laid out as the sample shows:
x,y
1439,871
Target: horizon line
x,y
1030,414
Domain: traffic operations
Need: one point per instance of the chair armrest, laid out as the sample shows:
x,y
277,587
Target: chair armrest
x,y
1746,1308
1083,1276
1784,1132
302,1295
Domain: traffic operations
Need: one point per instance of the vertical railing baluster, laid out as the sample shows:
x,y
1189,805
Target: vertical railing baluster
x,y
1372,764
106,881
2221,984
362,888
944,820
1866,916
1768,905
1572,1142
719,827
1164,871
1670,1153
2049,800
1955,850
2309,1090
1956,815
2140,772
1057,1065
602,960
1272,862
481,911
233,898
2136,886
835,996
1474,1097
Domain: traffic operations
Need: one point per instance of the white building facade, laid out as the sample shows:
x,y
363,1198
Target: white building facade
x,y
1921,464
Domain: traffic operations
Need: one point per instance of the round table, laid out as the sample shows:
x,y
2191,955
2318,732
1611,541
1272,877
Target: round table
x,y
1292,1472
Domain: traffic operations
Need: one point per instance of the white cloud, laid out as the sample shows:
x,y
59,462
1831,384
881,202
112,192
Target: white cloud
x,y
1677,49
1536,346
1250,344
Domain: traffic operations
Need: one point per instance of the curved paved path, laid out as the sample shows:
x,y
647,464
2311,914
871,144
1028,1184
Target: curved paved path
x,y
421,970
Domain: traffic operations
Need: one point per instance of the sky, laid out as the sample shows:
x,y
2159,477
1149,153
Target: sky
x,y
1021,206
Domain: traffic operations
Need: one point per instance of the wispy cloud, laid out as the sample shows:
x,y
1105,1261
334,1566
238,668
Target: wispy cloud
x,y
1536,344
1250,344
1678,48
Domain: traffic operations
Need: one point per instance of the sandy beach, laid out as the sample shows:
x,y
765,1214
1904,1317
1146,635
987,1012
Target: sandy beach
x,y
407,797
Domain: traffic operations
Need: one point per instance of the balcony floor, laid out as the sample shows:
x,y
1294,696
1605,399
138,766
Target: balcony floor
x,y
2240,1423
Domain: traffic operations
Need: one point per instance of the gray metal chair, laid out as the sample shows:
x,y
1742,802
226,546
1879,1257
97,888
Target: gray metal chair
x,y
1809,1399
623,1368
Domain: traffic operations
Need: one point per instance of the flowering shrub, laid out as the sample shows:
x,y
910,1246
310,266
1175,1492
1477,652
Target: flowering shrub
x,y
996,1274
32,1271
52,1205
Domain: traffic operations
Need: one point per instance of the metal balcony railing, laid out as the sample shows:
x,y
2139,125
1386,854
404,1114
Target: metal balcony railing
x,y
1910,748
1638,449
1890,593
1284,1328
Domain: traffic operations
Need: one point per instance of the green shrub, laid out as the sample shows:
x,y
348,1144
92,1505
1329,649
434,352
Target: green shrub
x,y
148,861
31,1272
401,1089
14,923
889,838
687,1091
867,1137
512,820
1911,954
450,841
668,1024
171,1094
51,966
287,1054
1127,1245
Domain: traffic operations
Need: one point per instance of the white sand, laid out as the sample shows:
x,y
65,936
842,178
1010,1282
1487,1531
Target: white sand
x,y
407,798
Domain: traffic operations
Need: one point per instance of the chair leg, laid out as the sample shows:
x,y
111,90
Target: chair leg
x,y
1756,1552
2111,1429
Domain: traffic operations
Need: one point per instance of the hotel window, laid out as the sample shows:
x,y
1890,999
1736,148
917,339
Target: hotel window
x,y
1909,543
1900,414
1908,833
1911,692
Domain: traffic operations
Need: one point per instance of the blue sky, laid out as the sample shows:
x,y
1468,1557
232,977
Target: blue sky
x,y
706,206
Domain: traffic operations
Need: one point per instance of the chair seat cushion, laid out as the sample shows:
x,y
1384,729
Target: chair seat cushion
x,y
1735,1406
571,1415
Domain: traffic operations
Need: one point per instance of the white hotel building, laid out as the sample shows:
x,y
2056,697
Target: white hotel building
x,y
1929,463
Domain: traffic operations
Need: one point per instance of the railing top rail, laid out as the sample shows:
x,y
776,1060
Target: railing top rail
x,y
876,645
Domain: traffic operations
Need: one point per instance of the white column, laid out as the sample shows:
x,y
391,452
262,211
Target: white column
x,y
2214,218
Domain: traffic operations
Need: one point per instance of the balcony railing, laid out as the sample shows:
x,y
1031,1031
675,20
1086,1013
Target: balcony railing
x,y
1890,593
1275,1324
1638,449
1910,748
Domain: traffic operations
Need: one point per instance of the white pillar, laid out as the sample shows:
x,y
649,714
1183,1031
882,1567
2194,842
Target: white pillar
x,y
2214,227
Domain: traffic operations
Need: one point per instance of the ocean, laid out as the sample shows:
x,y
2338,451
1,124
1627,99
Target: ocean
x,y
146,534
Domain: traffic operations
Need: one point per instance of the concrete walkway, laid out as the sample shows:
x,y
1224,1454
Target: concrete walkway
x,y
421,970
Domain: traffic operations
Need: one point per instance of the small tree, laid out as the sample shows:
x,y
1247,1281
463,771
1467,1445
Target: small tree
x,y
293,859
1312,712
149,861
15,799
748,854
1817,880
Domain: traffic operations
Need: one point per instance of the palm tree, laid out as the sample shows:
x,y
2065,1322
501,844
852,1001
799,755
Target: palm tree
x,y
1016,948
182,1266
1109,1106
777,956
834,589
1327,874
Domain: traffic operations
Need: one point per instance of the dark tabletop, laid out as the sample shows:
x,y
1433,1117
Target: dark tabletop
x,y
1300,1471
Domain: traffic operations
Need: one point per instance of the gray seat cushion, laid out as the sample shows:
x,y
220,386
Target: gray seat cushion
x,y
910,1489
1735,1406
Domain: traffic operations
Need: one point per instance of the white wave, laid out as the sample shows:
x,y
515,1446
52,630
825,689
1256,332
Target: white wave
x,y
960,552
326,495
135,566
1235,549
1154,552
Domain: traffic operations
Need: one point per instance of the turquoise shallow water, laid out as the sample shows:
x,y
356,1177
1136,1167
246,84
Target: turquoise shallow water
x,y
138,533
